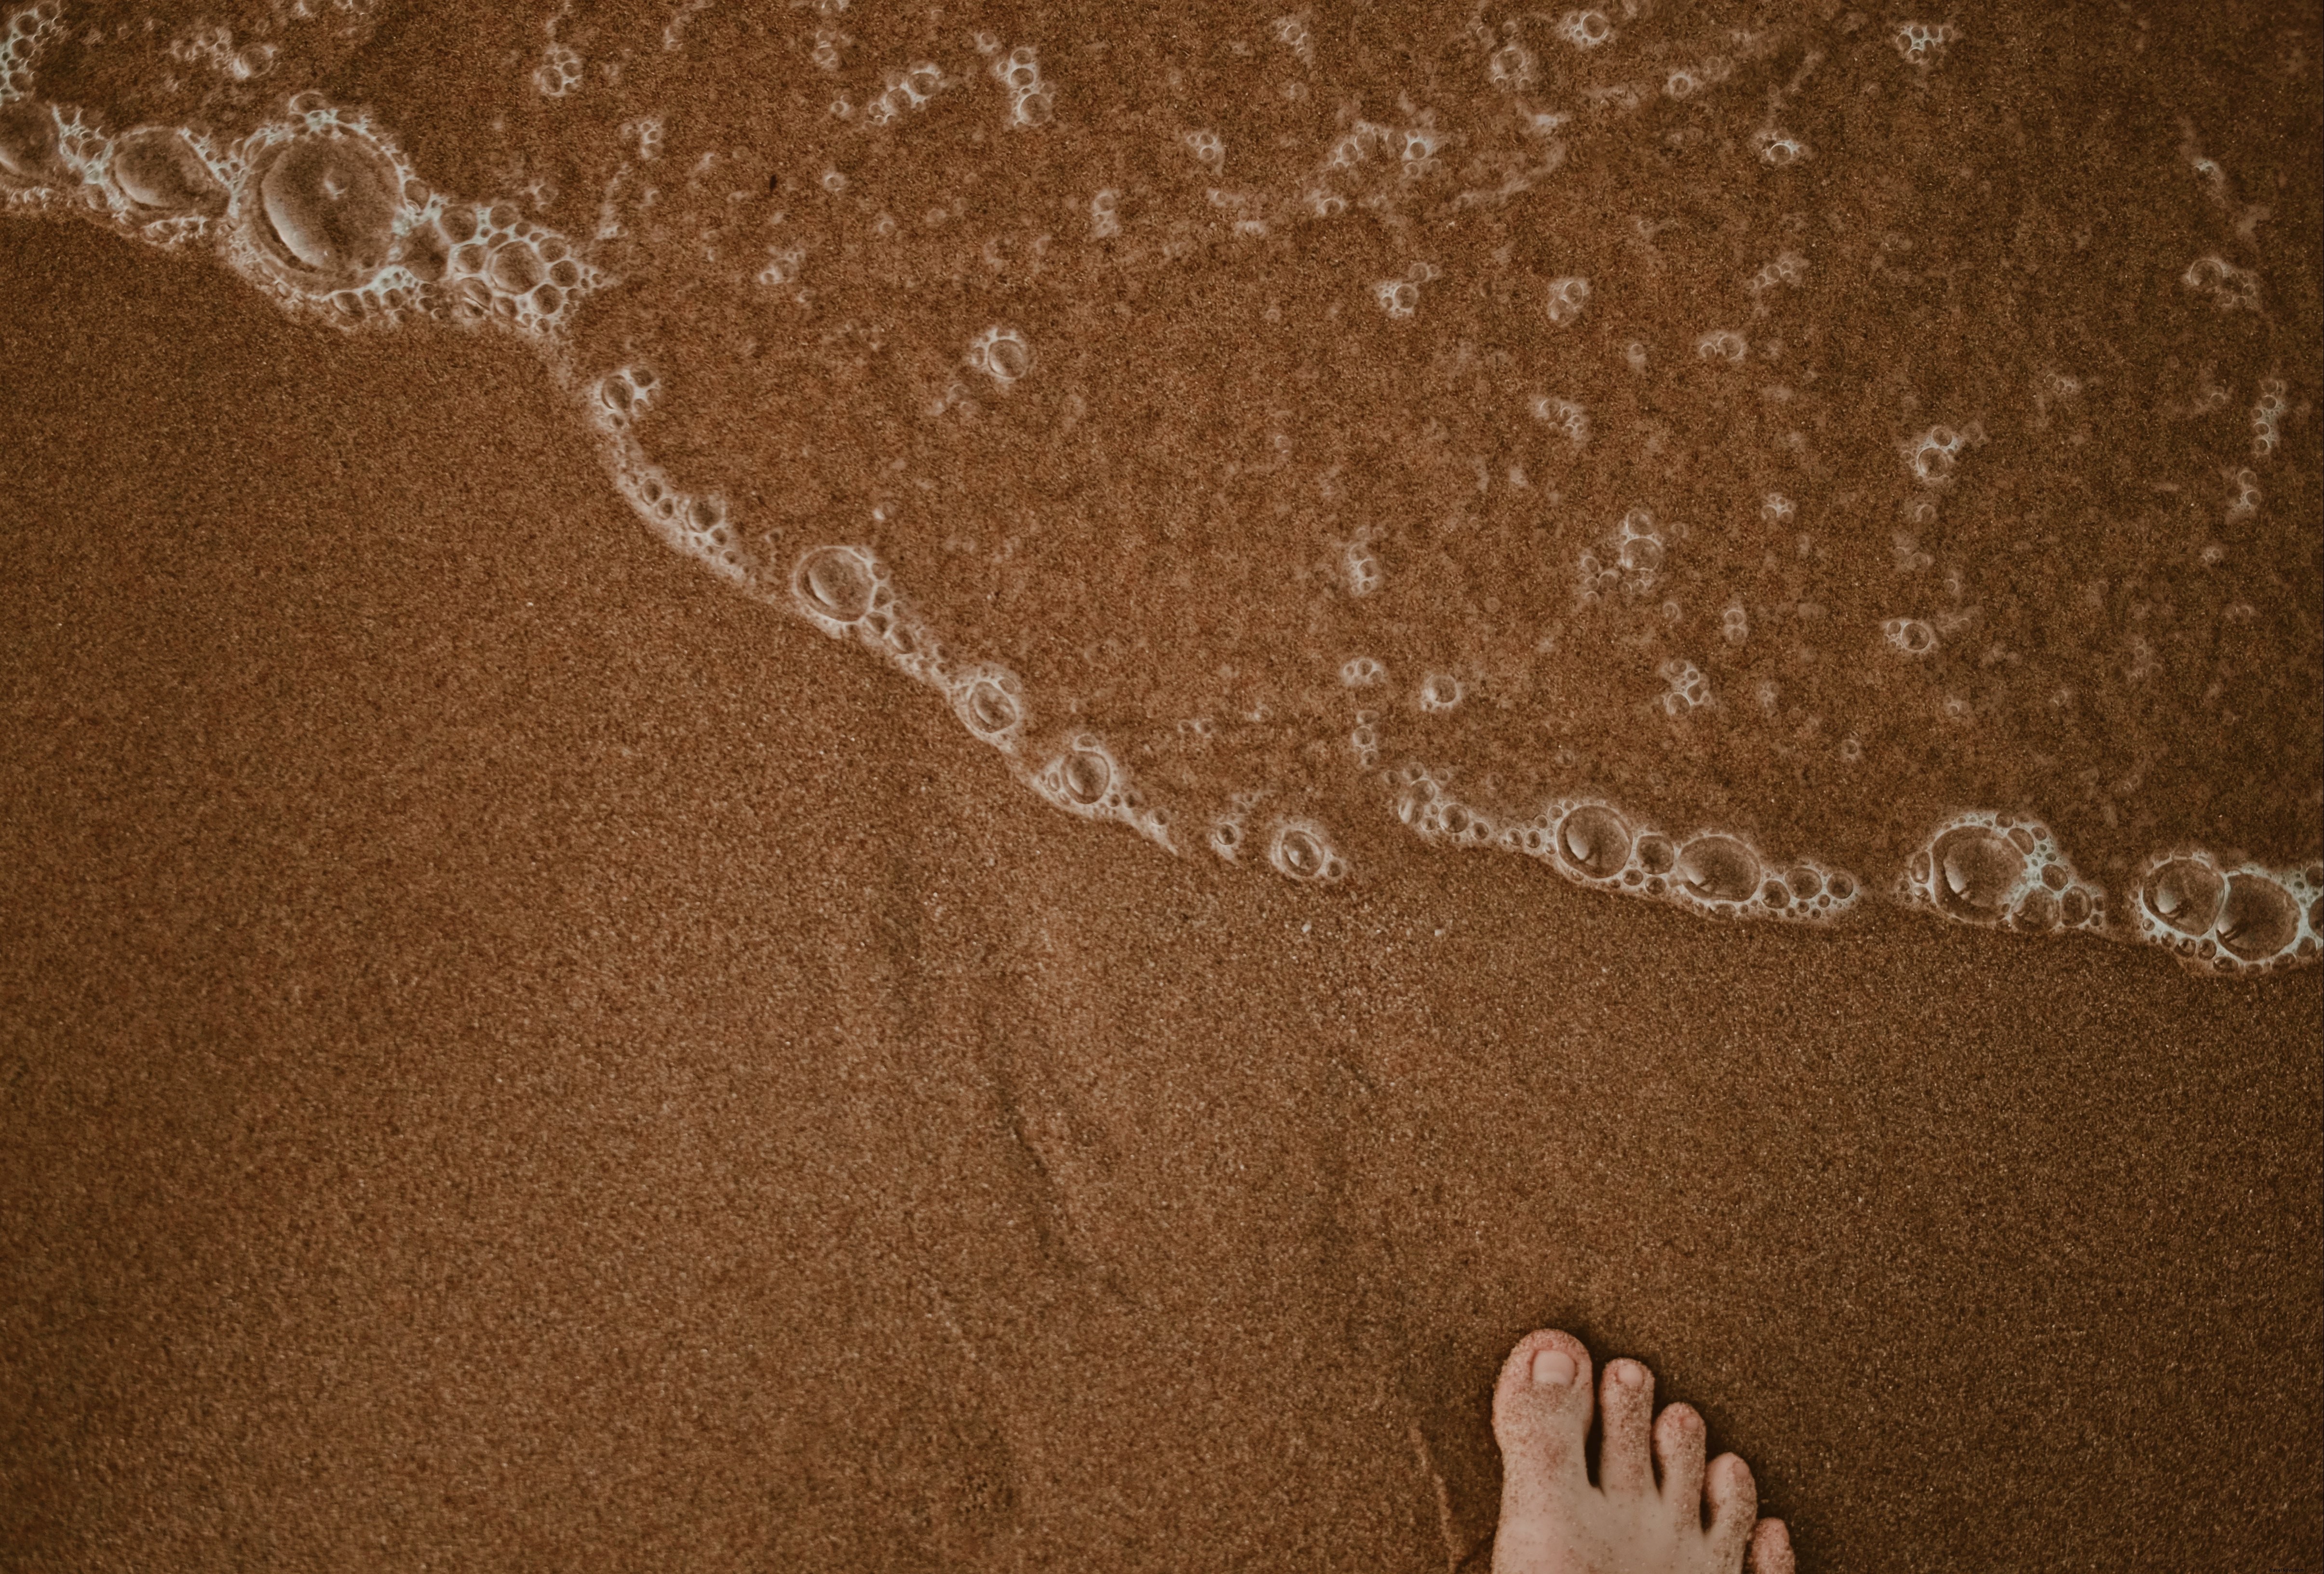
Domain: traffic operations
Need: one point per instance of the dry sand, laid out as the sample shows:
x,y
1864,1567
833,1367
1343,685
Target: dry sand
x,y
517,1058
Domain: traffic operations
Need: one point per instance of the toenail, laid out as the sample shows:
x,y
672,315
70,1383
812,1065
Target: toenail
x,y
1553,1367
1630,1375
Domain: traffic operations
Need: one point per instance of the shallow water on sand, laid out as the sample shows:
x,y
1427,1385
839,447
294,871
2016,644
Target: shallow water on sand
x,y
1765,468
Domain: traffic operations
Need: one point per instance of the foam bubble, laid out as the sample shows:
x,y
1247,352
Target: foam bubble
x,y
1001,354
1984,869
1778,148
1585,30
838,586
1361,671
1977,873
160,172
1910,636
30,152
2185,893
2258,919
1658,855
991,703
1685,689
1226,839
1594,842
2227,917
1567,297
1086,774
1302,850
1718,868
1721,344
324,211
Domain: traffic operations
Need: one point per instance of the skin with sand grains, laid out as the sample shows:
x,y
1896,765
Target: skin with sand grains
x,y
1656,1507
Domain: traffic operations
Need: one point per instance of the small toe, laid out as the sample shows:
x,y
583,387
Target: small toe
x,y
1678,1450
1771,1548
1541,1415
1734,1500
1626,1414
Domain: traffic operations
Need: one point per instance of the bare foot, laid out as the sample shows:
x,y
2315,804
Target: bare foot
x,y
1554,1522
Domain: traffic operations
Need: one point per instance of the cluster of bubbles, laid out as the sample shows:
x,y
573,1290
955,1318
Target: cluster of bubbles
x,y
1296,848
1923,43
1032,103
1910,636
2247,499
1685,688
2229,287
847,592
1566,415
1585,30
1987,868
559,71
19,41
1634,559
693,526
907,91
317,207
1400,297
2225,917
1367,164
1722,344
1931,455
320,207
2267,417
1592,843
1001,354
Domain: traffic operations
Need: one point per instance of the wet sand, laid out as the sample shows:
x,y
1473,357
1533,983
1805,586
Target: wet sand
x,y
516,1057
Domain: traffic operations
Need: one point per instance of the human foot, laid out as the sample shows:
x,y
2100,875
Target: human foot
x,y
1554,1522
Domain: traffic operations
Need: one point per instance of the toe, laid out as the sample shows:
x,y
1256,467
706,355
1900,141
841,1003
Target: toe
x,y
1541,1413
1626,1412
1678,1450
1771,1548
1734,1499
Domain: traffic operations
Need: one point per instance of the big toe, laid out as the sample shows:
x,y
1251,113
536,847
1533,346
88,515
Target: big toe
x,y
1541,1415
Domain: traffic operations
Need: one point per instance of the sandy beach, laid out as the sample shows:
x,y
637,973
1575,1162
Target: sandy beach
x,y
516,1057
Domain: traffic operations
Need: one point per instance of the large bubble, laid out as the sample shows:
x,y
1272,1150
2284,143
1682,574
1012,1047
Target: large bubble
x,y
2185,893
1977,870
325,214
1086,774
1593,841
836,585
158,169
988,706
28,144
2258,919
1718,868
